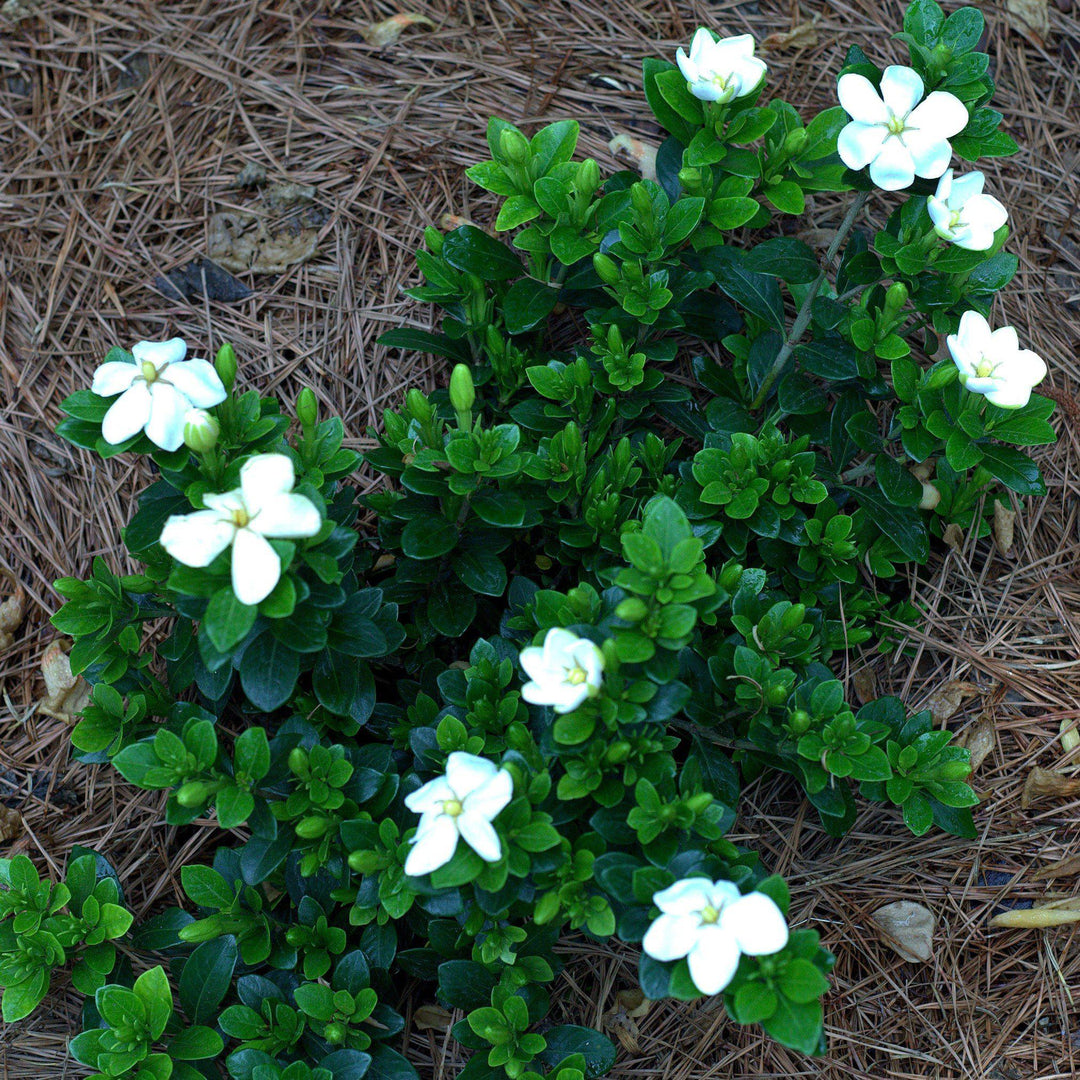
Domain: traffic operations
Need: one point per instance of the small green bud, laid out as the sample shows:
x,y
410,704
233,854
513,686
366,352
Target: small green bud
x,y
225,365
777,694
618,752
194,793
794,142
572,439
895,299
201,430
729,576
418,405
295,936
632,609
307,409
298,760
641,200
311,828
690,178
699,802
462,392
799,721
606,269
953,770
335,1033
941,55
433,239
588,177
514,146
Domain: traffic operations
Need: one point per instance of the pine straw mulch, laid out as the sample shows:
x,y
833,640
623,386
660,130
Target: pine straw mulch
x,y
123,127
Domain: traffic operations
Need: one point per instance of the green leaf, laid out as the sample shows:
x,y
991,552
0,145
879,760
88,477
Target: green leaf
x,y
428,537
268,672
903,526
732,212
1014,469
517,210
480,571
566,1039
754,1002
918,814
505,509
196,1043
896,483
798,1026
227,619
802,982
668,117
206,887
788,259
553,145
408,337
830,358
470,249
757,293
787,197
923,20
206,977
23,998
527,302
962,29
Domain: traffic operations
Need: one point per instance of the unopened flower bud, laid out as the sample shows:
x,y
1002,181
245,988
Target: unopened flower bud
x,y
690,178
311,828
795,141
433,239
799,721
641,200
462,391
194,793
201,430
930,496
418,405
225,365
588,177
298,761
699,802
895,299
606,269
514,146
618,752
307,409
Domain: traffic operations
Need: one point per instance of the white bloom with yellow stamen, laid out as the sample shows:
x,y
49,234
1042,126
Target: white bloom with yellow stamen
x,y
896,132
721,70
992,363
462,804
712,924
962,214
264,505
563,672
156,392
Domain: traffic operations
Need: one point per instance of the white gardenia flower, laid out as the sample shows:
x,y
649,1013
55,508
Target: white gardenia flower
x,y
263,505
463,803
962,214
156,392
712,924
721,70
993,364
897,133
565,670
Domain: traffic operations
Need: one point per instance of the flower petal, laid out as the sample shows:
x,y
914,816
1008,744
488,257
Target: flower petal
x,y
713,960
685,897
987,211
756,924
467,772
964,188
942,113
256,568
1009,395
929,152
226,504
893,169
860,100
288,516
974,333
430,797
571,698
686,66
701,44
265,476
196,539
491,798
559,695
480,835
160,353
1004,343
901,89
198,382
168,407
559,646
432,849
944,190
127,415
858,143
532,662
671,937
114,378
749,72
723,893
588,656
941,216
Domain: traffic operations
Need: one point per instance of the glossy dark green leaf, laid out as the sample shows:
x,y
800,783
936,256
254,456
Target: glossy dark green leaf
x,y
472,250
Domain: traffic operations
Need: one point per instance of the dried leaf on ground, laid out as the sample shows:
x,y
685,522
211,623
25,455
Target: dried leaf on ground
x,y
1070,737
953,535
1036,918
1004,527
621,1019
865,680
201,277
1064,868
802,36
981,740
66,695
241,241
389,30
908,928
432,1018
449,222
947,699
12,609
642,154
1048,784
12,825
1031,18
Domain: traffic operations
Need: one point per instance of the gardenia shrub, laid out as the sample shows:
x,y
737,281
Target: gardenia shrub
x,y
598,602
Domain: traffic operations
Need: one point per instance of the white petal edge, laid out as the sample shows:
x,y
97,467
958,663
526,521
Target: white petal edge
x,y
481,836
198,382
160,353
114,378
287,517
430,797
893,169
467,772
901,89
756,924
860,100
256,568
490,799
858,144
433,849
671,937
127,415
264,476
168,407
713,960
196,539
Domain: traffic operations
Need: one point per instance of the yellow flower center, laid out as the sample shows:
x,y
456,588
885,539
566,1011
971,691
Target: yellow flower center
x,y
955,218
984,368
709,914
240,518
149,372
895,125
452,807
575,676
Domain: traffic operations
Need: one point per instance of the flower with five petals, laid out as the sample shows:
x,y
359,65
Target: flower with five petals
x,y
462,803
992,363
712,924
563,672
962,214
156,392
896,132
721,70
264,505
